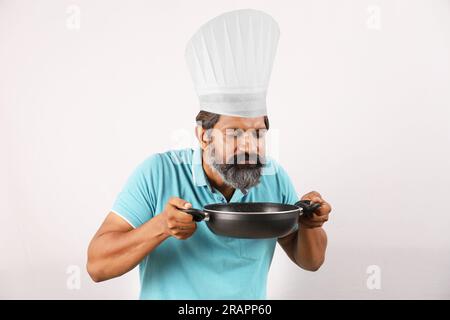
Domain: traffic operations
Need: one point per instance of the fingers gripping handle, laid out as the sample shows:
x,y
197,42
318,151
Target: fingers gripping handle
x,y
197,215
307,206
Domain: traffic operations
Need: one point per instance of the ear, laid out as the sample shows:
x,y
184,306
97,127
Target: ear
x,y
200,133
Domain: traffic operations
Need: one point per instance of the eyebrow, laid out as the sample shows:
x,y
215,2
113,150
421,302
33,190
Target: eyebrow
x,y
244,129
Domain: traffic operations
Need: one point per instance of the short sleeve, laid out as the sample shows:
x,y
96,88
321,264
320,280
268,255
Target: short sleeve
x,y
289,194
136,201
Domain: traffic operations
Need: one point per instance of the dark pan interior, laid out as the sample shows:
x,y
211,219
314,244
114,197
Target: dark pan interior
x,y
242,207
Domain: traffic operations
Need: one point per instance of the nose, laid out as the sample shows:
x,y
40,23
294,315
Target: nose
x,y
247,143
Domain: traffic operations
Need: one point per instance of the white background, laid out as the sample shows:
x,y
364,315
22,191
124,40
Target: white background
x,y
359,97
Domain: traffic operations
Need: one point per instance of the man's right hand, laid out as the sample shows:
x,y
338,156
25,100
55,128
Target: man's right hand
x,y
177,223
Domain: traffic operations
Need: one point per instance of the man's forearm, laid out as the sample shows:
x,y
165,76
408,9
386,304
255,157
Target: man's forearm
x,y
114,253
309,248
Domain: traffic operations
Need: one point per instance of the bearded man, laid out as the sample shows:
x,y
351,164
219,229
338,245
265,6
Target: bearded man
x,y
179,258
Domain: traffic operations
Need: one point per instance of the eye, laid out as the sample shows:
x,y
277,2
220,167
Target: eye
x,y
259,133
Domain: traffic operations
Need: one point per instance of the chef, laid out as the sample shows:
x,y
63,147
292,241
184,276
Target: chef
x,y
230,60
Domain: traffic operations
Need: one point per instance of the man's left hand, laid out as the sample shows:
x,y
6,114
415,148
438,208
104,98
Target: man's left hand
x,y
319,216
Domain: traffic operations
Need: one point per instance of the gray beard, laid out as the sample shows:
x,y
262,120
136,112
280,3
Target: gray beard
x,y
238,176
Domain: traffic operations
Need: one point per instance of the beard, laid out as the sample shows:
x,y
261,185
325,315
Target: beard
x,y
238,175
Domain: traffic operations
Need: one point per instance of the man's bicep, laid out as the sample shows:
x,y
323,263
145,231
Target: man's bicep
x,y
114,223
136,202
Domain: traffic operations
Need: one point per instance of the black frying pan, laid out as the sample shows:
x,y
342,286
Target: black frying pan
x,y
253,220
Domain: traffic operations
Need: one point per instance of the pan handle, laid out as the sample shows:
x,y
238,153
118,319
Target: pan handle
x,y
307,206
197,215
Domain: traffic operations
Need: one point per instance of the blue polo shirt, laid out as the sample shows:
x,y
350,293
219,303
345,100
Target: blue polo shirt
x,y
206,265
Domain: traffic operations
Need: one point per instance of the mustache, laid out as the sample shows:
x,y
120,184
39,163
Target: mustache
x,y
239,160
240,176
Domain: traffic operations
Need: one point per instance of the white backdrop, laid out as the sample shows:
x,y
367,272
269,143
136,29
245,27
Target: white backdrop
x,y
359,98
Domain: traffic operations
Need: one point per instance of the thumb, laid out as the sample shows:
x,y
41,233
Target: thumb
x,y
179,203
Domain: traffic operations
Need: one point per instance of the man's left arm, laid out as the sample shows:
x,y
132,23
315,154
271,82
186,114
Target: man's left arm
x,y
306,247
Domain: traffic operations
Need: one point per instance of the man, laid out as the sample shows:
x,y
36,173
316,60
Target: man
x,y
146,225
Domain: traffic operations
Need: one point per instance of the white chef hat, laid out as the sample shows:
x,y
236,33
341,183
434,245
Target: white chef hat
x,y
230,59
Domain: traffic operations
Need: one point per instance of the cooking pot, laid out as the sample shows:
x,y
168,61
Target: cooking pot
x,y
252,220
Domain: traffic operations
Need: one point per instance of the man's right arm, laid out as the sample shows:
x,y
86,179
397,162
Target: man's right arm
x,y
117,247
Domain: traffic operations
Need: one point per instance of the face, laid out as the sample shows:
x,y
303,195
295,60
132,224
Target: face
x,y
236,150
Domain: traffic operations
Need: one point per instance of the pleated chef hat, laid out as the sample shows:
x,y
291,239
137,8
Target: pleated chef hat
x,y
230,59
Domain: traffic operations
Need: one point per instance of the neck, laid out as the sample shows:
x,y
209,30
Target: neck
x,y
216,180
